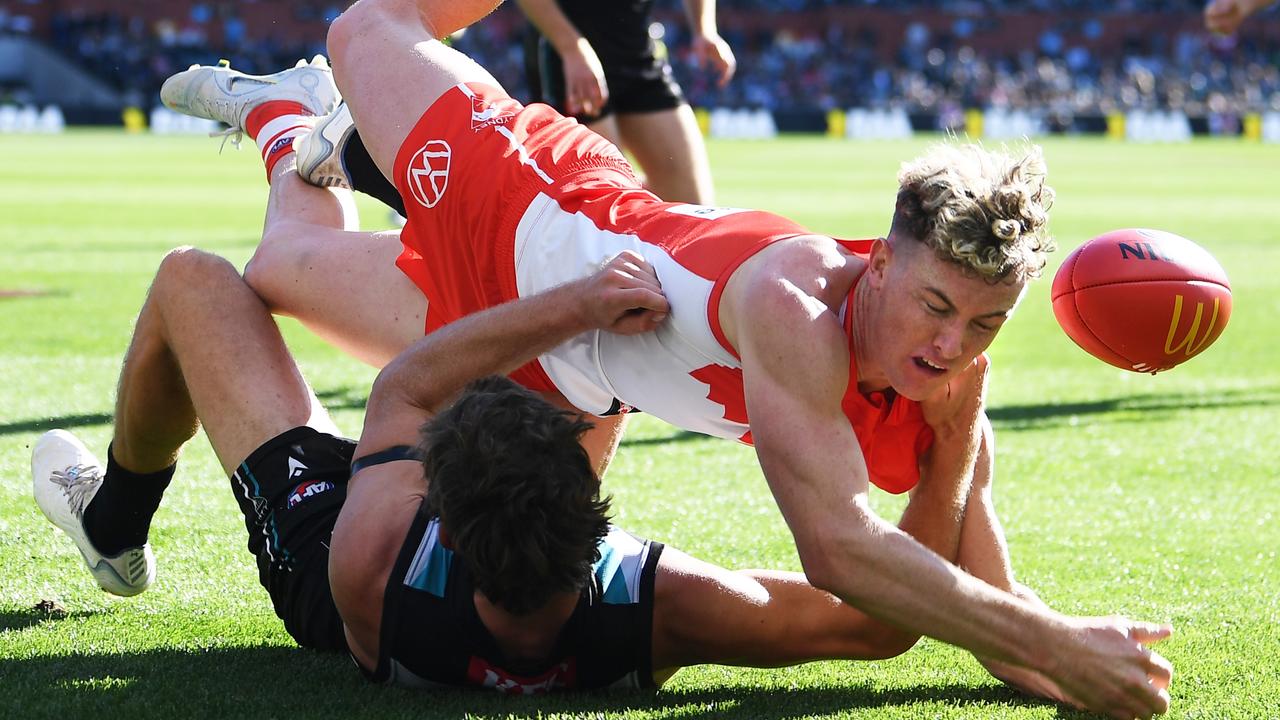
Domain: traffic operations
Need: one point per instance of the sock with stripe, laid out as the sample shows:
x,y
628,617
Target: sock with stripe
x,y
273,126
119,516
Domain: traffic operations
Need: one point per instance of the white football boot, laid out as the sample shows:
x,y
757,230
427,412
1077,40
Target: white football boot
x,y
320,151
216,92
65,477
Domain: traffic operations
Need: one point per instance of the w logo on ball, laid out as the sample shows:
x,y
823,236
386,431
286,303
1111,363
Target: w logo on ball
x,y
1189,342
428,174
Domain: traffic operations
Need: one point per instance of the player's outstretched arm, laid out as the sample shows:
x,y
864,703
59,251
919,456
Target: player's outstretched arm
x,y
816,472
585,89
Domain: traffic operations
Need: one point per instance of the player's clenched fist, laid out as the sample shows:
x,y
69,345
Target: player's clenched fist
x,y
624,296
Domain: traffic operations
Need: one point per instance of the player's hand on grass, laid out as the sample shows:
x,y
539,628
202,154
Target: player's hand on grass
x,y
1025,680
1110,669
712,51
624,296
585,90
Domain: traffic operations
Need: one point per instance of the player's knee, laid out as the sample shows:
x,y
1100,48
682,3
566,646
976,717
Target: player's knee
x,y
187,268
358,24
342,33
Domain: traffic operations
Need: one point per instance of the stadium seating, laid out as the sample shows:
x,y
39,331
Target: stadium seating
x,y
1039,66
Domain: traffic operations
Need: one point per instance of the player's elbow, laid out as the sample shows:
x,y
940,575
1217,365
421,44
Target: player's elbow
x,y
820,563
833,548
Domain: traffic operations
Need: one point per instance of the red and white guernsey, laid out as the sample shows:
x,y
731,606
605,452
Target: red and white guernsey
x,y
544,201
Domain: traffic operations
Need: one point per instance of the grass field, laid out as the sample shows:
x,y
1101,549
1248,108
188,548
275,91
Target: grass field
x,y
1156,497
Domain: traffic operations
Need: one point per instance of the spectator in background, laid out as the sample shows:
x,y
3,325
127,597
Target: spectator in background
x,y
600,61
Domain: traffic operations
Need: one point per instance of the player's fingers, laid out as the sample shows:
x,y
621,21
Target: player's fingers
x,y
1148,698
1147,633
1164,702
644,298
1159,670
638,321
636,266
729,65
642,274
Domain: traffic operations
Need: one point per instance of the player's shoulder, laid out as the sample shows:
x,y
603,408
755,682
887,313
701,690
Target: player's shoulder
x,y
816,265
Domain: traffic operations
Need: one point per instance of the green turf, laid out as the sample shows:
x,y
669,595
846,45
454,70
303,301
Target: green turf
x,y
1121,493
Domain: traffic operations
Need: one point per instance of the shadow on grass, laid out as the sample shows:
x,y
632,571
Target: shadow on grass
x,y
1051,415
337,399
65,421
258,682
27,617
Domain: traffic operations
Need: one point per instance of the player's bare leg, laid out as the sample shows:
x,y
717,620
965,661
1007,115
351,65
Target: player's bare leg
x,y
607,127
391,65
205,350
206,347
310,268
669,148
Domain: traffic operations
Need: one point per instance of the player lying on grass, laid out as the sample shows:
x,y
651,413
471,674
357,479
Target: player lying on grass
x,y
859,362
499,570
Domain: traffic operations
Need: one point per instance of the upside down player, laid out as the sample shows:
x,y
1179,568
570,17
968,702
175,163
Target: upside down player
x,y
499,570
859,361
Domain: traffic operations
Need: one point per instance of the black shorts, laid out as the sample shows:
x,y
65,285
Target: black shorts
x,y
290,491
637,84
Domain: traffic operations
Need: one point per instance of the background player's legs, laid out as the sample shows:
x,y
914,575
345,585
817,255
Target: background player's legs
x,y
309,267
669,148
607,127
759,618
391,66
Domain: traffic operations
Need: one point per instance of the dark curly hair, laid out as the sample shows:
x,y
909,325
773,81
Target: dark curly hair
x,y
515,493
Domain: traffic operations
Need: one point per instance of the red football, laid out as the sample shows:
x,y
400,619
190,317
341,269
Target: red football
x,y
1142,300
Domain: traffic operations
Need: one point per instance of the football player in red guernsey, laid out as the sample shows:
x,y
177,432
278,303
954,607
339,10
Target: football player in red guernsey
x,y
844,363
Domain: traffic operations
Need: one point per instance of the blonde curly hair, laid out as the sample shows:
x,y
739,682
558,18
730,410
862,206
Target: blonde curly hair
x,y
984,210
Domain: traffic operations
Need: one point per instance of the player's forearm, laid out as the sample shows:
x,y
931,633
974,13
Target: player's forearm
x,y
936,513
983,551
702,16
890,576
433,370
551,21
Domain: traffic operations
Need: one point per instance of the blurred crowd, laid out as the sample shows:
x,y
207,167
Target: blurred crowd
x,y
1086,63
